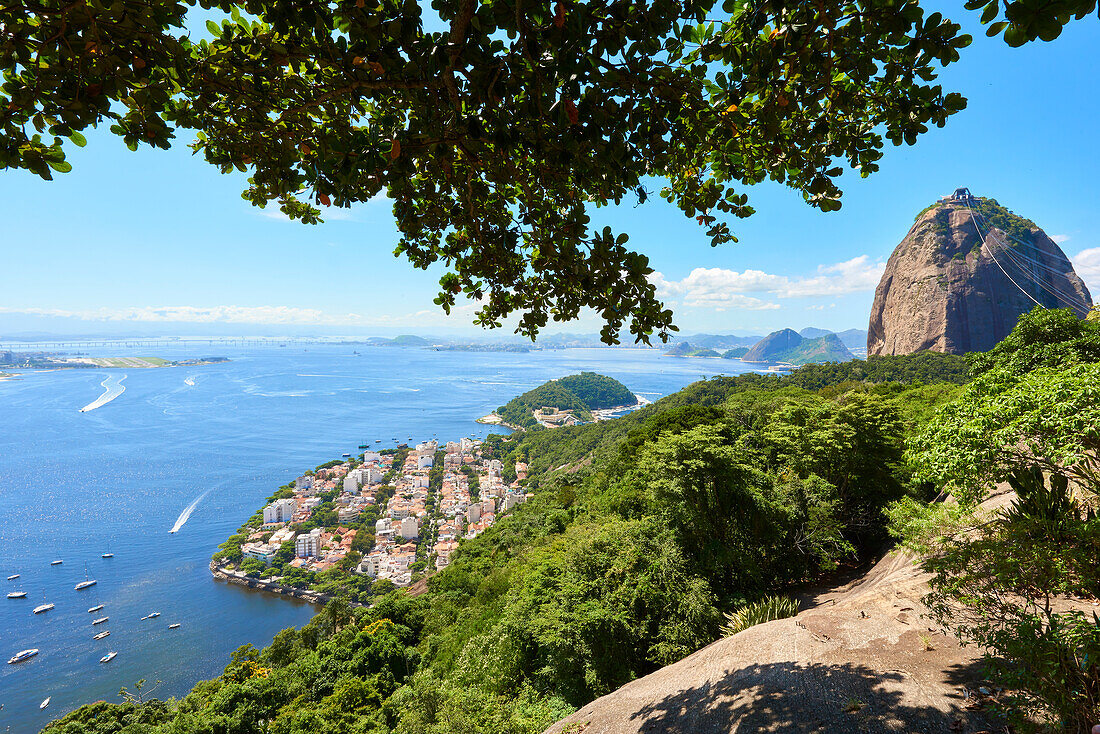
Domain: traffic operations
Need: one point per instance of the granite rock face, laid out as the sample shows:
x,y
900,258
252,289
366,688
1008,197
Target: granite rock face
x,y
947,290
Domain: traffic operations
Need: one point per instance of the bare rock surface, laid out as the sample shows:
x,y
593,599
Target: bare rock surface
x,y
957,282
860,659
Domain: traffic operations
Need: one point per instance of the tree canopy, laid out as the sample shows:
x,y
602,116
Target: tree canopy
x,y
496,134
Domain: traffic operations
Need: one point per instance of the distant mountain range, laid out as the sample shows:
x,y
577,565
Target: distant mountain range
x,y
786,345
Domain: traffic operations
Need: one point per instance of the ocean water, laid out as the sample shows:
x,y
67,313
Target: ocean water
x,y
198,449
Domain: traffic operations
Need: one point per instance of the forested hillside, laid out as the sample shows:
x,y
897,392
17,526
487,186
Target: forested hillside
x,y
580,394
640,533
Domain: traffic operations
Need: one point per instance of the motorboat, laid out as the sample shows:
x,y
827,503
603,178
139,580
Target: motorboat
x,y
96,608
108,554
175,626
58,562
108,657
101,620
150,616
13,577
101,635
43,608
23,655
16,594
45,703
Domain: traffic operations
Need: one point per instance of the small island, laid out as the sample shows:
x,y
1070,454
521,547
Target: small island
x,y
569,401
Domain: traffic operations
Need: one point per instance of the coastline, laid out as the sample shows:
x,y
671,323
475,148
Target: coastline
x,y
495,420
220,573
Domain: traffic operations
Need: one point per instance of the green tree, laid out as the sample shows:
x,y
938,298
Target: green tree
x,y
496,136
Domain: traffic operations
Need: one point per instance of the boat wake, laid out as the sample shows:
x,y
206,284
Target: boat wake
x,y
190,381
187,512
112,388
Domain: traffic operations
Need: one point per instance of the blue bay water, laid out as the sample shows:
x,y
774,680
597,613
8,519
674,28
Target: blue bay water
x,y
117,478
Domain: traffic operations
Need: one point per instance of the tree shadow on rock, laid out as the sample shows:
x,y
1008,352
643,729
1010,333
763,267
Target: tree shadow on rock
x,y
788,697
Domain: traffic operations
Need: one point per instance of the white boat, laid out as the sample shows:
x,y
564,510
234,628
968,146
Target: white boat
x,y
101,620
45,703
16,594
43,608
175,626
101,635
150,616
108,555
96,608
13,577
58,562
86,582
23,655
108,657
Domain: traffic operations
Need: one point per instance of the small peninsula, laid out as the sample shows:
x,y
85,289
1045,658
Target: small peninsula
x,y
569,401
359,527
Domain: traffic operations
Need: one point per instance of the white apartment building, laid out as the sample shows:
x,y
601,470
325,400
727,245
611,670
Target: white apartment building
x,y
259,551
424,460
351,482
348,514
372,474
280,510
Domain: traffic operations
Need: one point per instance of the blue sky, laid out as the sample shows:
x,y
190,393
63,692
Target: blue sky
x,y
159,241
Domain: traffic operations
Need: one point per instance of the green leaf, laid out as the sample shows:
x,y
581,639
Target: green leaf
x,y
214,28
60,166
78,140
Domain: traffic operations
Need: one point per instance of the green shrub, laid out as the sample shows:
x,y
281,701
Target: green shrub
x,y
765,610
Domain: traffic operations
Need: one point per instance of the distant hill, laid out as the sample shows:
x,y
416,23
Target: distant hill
x,y
723,341
811,332
409,340
580,394
735,353
690,349
854,339
775,344
788,345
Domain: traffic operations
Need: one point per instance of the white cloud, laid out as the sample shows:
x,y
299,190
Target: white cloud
x,y
722,288
1087,265
198,314
259,315
1060,238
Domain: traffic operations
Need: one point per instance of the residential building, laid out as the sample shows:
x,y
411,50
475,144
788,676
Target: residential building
x,y
308,545
410,528
280,510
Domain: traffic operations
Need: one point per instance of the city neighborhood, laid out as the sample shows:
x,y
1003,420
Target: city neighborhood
x,y
409,508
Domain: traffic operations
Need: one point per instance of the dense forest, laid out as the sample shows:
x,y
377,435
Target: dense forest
x,y
580,394
642,532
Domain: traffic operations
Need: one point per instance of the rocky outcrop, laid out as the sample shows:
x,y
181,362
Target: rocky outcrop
x,y
861,658
949,289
